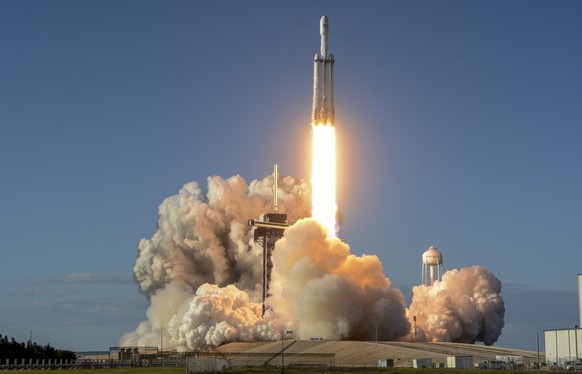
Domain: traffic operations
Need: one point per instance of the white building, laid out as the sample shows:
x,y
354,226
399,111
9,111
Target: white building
x,y
565,345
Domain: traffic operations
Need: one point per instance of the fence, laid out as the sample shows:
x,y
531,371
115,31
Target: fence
x,y
36,363
243,360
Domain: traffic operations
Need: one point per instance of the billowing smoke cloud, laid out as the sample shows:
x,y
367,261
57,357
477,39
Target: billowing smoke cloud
x,y
328,292
216,315
205,238
464,307
203,248
202,274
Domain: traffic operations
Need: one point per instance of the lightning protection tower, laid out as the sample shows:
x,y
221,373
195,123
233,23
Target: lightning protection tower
x,y
432,266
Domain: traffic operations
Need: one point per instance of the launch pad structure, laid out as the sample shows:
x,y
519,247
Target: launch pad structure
x,y
266,234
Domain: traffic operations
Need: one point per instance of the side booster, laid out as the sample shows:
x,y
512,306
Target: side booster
x,y
323,111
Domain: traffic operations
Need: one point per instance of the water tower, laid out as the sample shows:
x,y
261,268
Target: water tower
x,y
432,266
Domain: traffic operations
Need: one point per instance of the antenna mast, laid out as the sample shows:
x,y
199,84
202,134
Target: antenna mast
x,y
275,187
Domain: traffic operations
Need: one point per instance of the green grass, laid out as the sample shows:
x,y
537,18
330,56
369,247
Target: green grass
x,y
373,370
135,370
259,370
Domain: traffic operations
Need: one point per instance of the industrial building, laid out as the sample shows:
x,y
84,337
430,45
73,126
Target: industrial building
x,y
565,345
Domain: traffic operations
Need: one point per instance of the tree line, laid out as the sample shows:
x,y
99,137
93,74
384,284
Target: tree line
x,y
10,348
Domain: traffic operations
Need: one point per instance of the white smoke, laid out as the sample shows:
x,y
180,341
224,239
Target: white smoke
x,y
466,306
203,238
216,315
202,274
329,293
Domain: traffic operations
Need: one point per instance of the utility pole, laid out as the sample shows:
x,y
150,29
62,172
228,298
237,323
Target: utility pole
x,y
282,353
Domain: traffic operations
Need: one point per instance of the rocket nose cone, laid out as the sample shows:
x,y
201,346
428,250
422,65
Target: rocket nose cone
x,y
323,25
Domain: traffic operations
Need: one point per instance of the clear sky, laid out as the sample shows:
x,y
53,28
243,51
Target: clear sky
x,y
459,125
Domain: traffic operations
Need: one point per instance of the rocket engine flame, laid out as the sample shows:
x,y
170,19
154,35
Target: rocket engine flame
x,y
323,179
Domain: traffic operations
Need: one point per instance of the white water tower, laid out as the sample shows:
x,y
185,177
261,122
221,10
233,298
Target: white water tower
x,y
432,266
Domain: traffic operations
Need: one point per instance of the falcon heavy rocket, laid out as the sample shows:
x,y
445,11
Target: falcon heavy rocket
x,y
323,112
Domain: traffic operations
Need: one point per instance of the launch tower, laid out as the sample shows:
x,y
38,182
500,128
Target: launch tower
x,y
266,234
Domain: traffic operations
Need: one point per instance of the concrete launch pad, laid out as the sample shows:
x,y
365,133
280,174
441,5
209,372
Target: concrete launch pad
x,y
346,353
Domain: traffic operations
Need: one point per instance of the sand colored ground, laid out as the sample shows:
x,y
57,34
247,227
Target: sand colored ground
x,y
347,353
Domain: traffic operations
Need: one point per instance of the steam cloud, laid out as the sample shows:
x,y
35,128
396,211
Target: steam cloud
x,y
464,307
202,274
330,292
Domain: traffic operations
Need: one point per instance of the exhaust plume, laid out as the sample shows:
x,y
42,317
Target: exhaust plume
x,y
202,274
466,306
329,293
203,238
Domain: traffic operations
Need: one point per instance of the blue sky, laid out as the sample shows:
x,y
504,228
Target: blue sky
x,y
459,125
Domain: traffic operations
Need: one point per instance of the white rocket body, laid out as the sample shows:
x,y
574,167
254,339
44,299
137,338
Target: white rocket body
x,y
323,111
